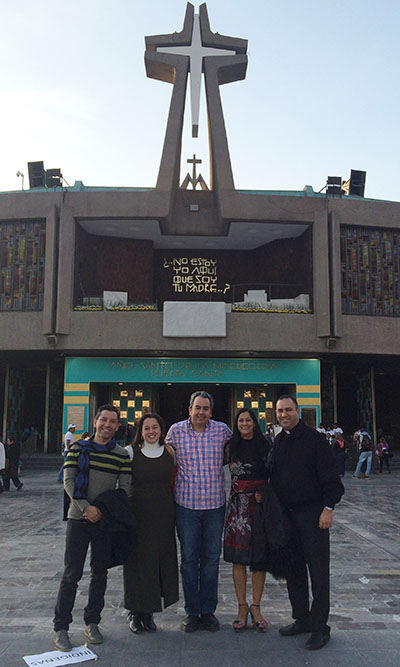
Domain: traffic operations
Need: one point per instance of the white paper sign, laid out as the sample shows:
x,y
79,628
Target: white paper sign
x,y
76,654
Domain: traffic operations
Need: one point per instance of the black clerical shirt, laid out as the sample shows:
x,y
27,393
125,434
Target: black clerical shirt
x,y
304,470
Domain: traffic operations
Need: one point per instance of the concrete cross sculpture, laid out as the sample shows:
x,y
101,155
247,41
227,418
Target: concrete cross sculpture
x,y
196,50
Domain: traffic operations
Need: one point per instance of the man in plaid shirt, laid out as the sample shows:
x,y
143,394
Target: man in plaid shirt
x,y
200,507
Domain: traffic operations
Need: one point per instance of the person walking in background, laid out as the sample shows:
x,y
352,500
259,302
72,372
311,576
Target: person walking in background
x,y
337,429
151,573
246,455
305,479
200,507
13,451
383,453
2,464
67,444
365,447
340,453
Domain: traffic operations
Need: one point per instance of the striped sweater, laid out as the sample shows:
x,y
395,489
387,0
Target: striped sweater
x,y
105,470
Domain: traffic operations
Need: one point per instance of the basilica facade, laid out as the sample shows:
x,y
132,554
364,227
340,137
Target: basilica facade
x,y
139,296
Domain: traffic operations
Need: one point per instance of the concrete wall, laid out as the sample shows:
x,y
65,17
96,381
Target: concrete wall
x,y
137,331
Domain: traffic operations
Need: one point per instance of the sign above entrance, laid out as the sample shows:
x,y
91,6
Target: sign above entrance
x,y
134,377
304,372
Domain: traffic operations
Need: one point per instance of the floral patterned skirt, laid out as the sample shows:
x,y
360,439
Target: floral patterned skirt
x,y
238,534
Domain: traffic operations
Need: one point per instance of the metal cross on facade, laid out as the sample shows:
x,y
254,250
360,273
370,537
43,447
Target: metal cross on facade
x,y
194,179
196,52
193,162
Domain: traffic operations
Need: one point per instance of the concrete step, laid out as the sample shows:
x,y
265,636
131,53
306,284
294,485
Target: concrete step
x,y
41,461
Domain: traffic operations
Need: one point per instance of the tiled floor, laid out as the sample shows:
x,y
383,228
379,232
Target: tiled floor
x,y
365,582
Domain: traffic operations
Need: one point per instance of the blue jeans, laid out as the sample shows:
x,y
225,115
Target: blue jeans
x,y
200,535
364,456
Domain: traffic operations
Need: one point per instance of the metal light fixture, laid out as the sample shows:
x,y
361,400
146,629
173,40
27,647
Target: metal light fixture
x,y
19,173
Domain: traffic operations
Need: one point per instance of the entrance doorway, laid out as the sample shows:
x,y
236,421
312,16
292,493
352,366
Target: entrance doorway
x,y
173,401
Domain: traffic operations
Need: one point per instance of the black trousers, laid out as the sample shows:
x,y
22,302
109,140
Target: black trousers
x,y
78,538
386,460
311,556
16,481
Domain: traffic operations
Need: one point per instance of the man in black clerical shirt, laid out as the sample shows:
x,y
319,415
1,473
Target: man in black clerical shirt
x,y
307,482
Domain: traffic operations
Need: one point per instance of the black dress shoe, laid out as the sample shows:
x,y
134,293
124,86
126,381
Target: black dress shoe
x,y
135,623
296,628
209,622
148,623
317,640
190,623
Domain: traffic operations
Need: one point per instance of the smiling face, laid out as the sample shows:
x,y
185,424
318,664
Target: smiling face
x,y
287,413
200,413
151,430
245,425
106,425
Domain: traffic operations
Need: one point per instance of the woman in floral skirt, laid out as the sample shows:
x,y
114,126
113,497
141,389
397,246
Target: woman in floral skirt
x,y
246,455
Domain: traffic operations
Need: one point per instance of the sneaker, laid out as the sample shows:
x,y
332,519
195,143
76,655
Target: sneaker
x,y
93,634
209,622
190,623
19,487
61,640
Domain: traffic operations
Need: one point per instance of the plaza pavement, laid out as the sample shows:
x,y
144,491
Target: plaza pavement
x,y
365,577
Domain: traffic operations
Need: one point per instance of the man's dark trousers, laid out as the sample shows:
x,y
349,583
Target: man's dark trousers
x,y
78,538
311,549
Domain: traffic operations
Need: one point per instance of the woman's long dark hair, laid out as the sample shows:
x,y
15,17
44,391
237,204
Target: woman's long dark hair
x,y
139,431
236,439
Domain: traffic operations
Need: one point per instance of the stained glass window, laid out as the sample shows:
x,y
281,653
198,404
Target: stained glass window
x,y
370,269
22,257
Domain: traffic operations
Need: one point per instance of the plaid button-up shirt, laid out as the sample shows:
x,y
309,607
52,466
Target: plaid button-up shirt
x,y
199,483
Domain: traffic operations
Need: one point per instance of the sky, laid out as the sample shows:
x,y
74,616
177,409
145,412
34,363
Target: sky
x,y
321,94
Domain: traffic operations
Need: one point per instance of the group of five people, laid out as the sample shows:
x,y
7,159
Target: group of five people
x,y
179,481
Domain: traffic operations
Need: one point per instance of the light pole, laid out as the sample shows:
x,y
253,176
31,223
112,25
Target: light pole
x,y
19,173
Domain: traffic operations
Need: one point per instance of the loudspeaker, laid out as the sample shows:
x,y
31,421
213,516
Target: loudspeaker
x,y
37,175
53,178
334,185
356,183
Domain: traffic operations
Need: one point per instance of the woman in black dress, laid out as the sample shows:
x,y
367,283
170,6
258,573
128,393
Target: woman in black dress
x,y
151,574
246,455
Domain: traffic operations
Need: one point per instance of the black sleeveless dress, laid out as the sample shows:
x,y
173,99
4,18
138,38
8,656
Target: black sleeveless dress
x,y
151,574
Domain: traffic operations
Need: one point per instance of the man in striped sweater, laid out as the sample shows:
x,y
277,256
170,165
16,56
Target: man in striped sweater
x,y
91,467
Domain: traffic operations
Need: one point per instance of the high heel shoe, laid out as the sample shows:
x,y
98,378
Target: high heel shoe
x,y
262,625
239,625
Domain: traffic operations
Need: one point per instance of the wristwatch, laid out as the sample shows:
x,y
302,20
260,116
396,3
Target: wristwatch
x,y
328,508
